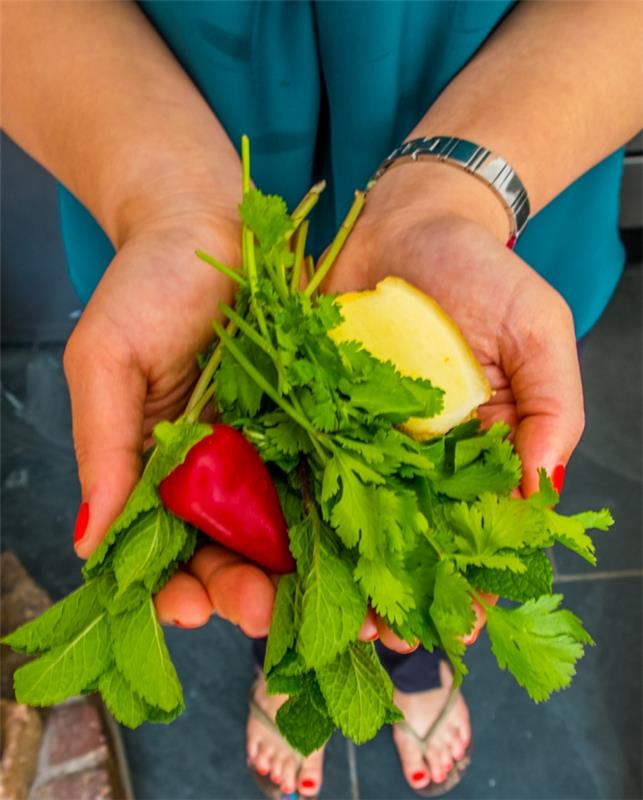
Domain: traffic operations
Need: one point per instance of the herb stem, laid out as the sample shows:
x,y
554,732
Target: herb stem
x,y
213,262
306,205
245,164
261,382
206,375
300,246
248,330
338,242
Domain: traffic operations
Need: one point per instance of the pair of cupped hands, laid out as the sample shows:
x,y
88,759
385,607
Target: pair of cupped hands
x,y
130,362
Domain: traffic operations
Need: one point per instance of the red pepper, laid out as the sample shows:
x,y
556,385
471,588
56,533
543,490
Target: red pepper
x,y
224,489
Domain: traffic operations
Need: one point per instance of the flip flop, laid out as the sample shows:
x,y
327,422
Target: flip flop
x,y
264,782
457,771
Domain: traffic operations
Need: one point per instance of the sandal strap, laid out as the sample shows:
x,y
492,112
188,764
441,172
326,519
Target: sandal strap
x,y
426,737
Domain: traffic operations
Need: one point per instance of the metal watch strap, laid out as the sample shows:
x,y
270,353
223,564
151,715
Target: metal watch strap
x,y
478,161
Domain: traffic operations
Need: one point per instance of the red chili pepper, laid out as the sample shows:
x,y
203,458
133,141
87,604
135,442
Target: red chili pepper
x,y
225,490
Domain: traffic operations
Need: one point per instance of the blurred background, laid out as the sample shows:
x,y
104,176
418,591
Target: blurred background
x,y
585,743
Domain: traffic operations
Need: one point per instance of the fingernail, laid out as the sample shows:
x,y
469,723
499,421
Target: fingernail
x,y
558,478
308,783
420,775
412,649
177,623
373,637
511,242
82,520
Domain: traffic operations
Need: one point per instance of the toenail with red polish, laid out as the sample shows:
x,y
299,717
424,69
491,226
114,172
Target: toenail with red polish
x,y
263,770
418,776
308,783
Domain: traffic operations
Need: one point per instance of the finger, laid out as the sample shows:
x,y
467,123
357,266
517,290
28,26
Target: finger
x,y
107,397
368,632
391,640
239,591
183,601
481,617
549,401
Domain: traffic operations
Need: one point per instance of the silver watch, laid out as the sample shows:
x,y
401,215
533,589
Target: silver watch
x,y
485,165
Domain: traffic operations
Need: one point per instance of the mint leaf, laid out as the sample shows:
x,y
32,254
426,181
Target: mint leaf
x,y
174,441
142,657
358,692
152,543
301,721
534,581
288,676
68,669
60,623
537,644
332,608
122,701
283,625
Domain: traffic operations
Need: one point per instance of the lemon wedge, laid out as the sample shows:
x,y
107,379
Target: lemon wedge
x,y
397,322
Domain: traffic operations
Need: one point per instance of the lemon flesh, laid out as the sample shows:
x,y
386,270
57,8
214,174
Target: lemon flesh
x,y
397,322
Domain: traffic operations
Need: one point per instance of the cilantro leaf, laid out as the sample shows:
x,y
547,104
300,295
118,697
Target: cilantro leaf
x,y
486,529
142,657
267,217
67,669
390,595
452,614
537,644
498,470
358,692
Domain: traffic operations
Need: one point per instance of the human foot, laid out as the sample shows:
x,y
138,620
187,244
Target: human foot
x,y
432,761
271,755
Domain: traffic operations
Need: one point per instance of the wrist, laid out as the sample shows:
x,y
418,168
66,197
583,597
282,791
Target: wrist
x,y
429,189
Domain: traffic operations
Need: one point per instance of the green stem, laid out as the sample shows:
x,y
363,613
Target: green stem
x,y
245,164
207,374
338,242
231,273
300,246
309,261
261,382
205,399
251,269
306,205
248,330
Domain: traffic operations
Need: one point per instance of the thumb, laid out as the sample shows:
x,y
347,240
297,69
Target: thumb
x,y
107,400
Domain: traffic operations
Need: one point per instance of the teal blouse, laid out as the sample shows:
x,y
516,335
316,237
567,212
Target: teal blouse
x,y
327,89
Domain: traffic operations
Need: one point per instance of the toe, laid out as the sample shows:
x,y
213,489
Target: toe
x,y
310,775
289,776
263,760
439,761
414,766
277,770
456,744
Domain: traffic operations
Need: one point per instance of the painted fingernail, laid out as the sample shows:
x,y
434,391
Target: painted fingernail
x,y
82,520
373,637
420,775
511,242
308,783
558,478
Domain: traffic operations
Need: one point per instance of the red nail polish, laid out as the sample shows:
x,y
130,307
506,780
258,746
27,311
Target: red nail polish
x,y
418,776
82,520
178,624
373,637
558,478
262,770
308,783
511,242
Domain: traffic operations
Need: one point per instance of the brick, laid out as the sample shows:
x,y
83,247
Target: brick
x,y
74,730
21,734
93,784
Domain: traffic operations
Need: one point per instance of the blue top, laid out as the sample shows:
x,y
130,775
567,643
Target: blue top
x,y
328,89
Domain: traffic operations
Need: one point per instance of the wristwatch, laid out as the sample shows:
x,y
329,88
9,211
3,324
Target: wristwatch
x,y
485,165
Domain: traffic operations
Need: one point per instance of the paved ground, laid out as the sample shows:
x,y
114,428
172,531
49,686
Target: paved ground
x,y
585,743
